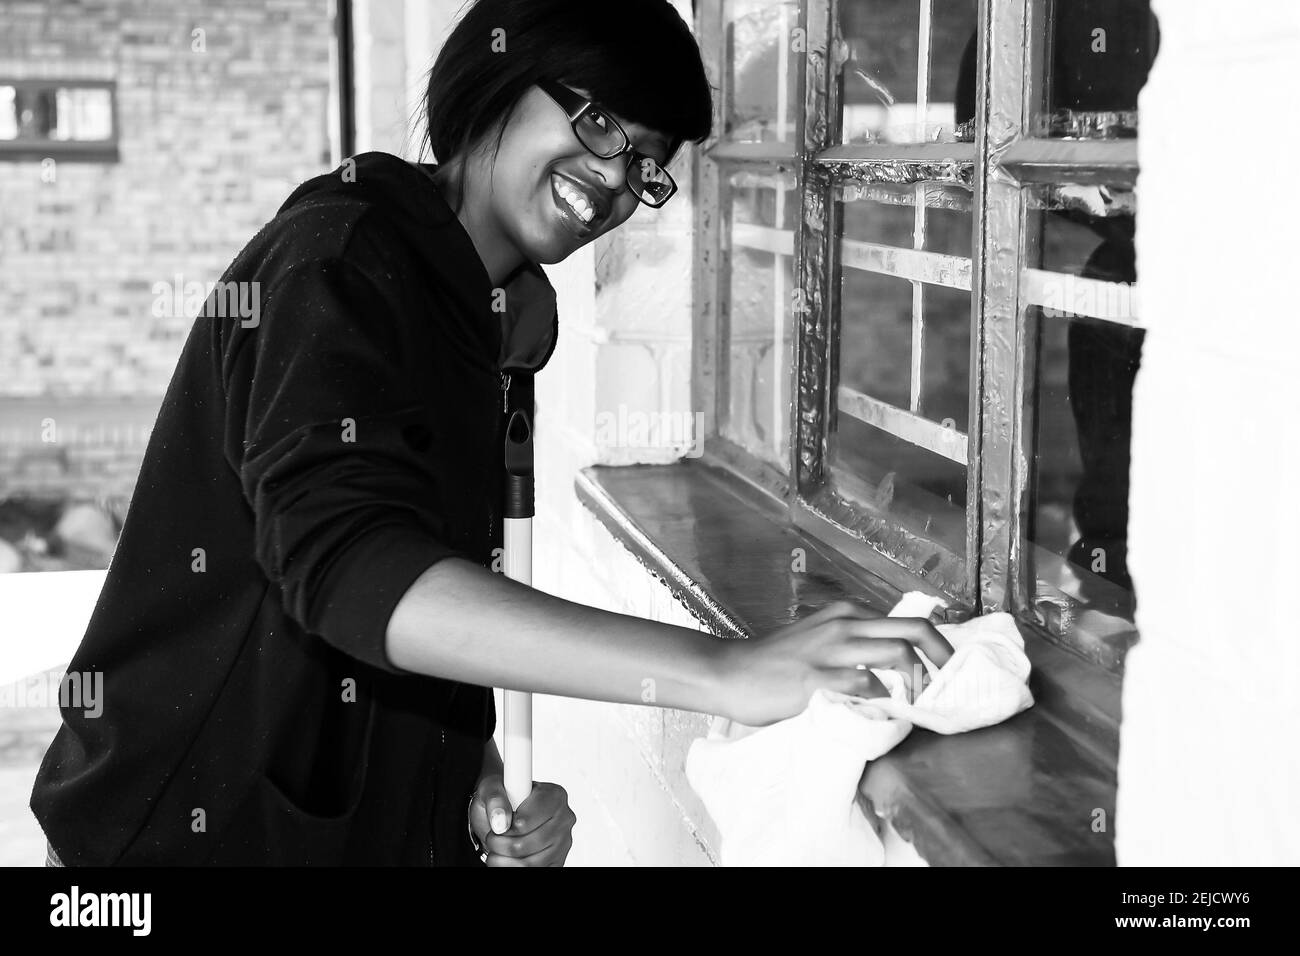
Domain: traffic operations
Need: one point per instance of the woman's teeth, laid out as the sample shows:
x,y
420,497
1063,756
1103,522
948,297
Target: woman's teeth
x,y
575,200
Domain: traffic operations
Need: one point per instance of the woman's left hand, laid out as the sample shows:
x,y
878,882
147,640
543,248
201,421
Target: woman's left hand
x,y
538,833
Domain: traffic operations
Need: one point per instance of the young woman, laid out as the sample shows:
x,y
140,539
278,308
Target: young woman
x,y
300,628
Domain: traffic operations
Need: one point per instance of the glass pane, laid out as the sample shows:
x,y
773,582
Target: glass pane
x,y
1086,230
82,114
763,102
945,365
884,213
949,224
919,489
881,214
876,335
53,112
1100,54
886,454
1086,366
877,309
882,47
879,76
8,112
953,49
761,212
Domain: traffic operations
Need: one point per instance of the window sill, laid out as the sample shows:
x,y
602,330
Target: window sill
x,y
1026,792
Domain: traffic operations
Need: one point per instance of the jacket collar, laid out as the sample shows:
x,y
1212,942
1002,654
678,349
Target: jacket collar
x,y
528,329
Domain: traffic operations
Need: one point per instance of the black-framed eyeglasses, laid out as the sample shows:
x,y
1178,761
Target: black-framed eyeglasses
x,y
602,136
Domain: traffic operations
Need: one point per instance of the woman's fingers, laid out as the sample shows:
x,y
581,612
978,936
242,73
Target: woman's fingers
x,y
552,855
895,654
887,653
917,631
550,833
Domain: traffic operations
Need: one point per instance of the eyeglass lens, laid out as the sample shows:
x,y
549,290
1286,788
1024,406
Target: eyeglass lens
x,y
645,176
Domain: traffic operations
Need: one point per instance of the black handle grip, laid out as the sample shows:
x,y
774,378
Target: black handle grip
x,y
519,466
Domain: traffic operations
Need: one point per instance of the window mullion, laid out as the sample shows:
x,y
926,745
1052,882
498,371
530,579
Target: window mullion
x,y
998,463
708,365
813,365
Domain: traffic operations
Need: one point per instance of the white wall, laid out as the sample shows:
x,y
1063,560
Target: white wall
x,y
394,44
1209,768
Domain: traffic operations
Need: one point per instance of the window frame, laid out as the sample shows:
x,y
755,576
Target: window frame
x,y
1008,158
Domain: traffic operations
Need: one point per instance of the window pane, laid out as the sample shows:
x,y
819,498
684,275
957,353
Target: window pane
x,y
952,71
763,103
54,111
887,46
1101,51
1086,366
949,224
879,77
890,449
82,114
8,113
923,491
879,334
761,210
880,213
876,335
945,366
1086,230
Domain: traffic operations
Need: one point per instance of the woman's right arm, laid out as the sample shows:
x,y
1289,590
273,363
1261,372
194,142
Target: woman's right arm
x,y
463,622
318,407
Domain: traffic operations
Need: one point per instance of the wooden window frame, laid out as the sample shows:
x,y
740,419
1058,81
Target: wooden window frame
x,y
1009,156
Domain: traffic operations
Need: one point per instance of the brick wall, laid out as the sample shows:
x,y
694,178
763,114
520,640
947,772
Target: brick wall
x,y
210,143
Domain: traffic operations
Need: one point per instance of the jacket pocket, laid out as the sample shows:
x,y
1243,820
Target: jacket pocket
x,y
275,829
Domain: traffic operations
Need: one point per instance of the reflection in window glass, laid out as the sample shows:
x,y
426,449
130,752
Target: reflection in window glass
x,y
1101,52
762,211
1082,309
949,225
879,77
945,363
923,491
881,214
953,50
763,102
876,335
888,48
884,317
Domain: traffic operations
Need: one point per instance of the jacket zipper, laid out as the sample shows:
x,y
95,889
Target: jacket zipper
x,y
505,389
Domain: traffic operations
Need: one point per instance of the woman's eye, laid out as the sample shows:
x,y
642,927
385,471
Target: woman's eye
x,y
597,118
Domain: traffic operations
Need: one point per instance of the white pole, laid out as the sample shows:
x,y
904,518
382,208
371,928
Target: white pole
x,y
518,717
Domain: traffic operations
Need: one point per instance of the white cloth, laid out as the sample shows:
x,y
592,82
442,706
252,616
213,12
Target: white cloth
x,y
786,794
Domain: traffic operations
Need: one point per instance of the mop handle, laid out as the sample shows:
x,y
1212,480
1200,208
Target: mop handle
x,y
518,566
518,756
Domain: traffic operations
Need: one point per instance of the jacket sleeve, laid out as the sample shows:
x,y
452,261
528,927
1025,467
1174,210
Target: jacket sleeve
x,y
321,419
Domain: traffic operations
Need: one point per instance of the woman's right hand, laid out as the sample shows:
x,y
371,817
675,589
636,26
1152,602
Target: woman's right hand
x,y
770,678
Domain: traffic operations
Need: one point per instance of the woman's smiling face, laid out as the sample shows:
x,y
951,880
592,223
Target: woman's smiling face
x,y
540,162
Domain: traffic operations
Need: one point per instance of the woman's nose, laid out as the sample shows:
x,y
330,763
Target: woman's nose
x,y
612,172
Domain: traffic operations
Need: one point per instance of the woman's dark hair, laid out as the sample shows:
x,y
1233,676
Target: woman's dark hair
x,y
637,58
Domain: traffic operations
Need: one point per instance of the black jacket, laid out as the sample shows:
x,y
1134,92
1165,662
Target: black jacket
x,y
307,465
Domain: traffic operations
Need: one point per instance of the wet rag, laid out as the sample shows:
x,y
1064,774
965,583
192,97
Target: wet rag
x,y
786,794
